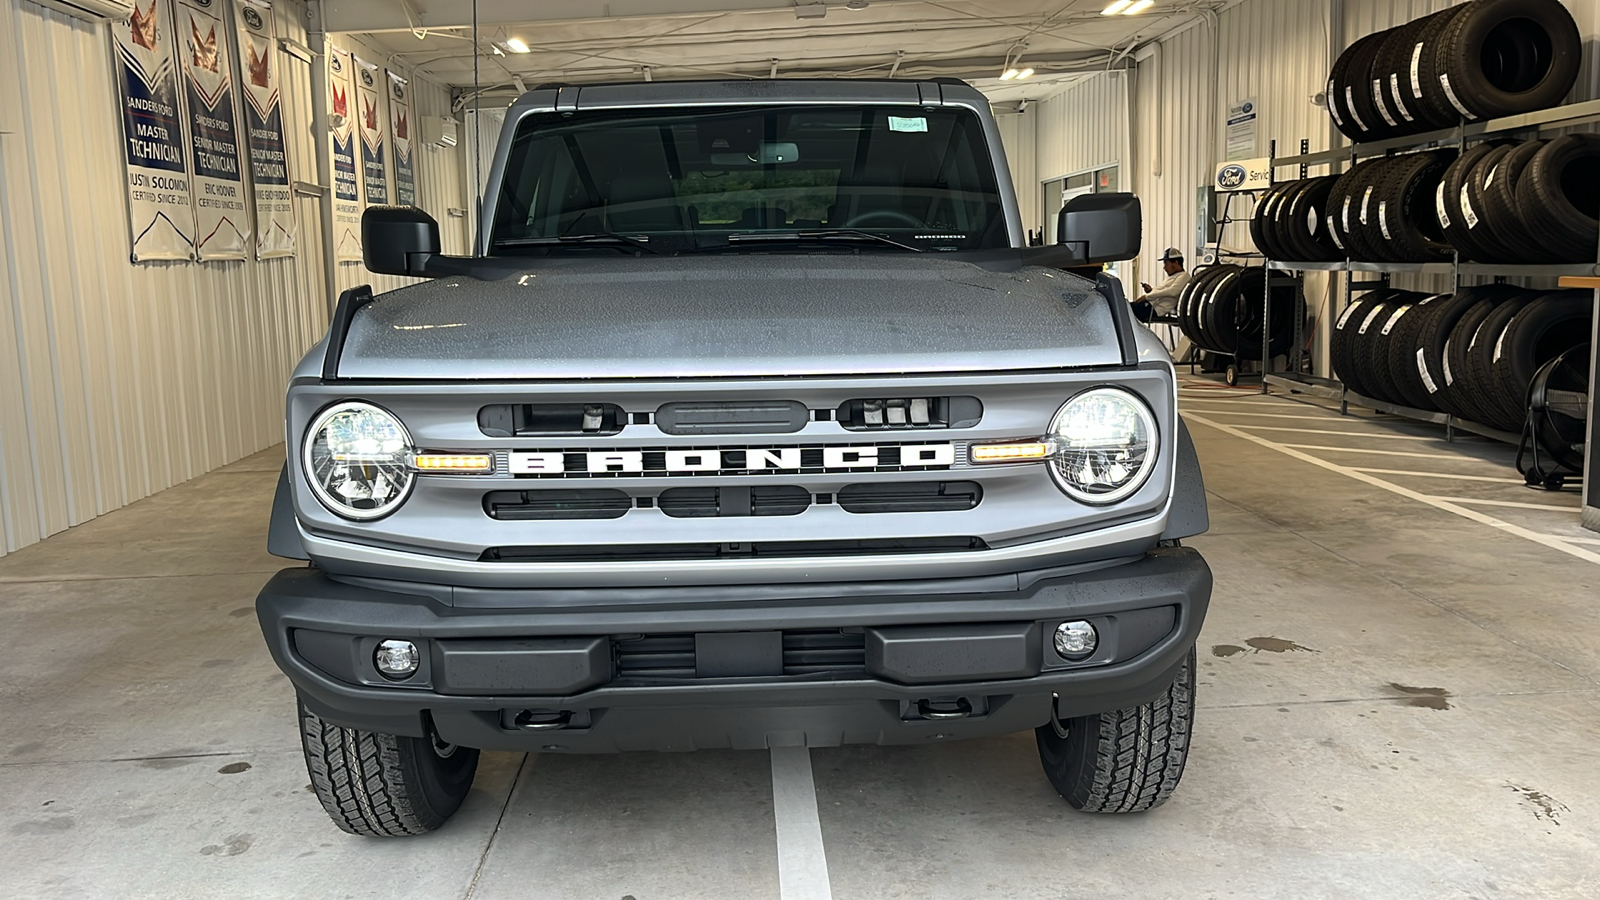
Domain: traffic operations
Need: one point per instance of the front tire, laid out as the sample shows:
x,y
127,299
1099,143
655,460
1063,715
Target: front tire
x,y
1126,760
384,785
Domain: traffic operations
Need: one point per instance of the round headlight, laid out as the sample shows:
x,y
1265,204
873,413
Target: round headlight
x,y
1105,445
358,460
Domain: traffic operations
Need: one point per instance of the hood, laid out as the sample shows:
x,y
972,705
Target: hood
x,y
732,316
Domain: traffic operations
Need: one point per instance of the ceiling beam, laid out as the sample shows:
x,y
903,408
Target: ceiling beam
x,y
379,16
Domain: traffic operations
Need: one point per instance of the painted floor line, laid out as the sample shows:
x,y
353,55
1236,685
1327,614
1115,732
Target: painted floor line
x,y
1370,434
802,861
1449,475
1573,540
1182,407
1545,540
1361,449
1509,503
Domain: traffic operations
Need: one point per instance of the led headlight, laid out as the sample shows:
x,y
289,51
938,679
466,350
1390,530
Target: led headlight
x,y
358,460
1105,441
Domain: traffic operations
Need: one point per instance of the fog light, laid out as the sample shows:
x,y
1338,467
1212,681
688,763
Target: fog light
x,y
400,659
1076,640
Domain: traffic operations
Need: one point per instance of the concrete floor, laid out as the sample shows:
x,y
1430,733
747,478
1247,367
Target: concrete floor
x,y
1400,698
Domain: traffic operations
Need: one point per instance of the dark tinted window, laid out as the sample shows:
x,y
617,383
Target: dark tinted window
x,y
688,178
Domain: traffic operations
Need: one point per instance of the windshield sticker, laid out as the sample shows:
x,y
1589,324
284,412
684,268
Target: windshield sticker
x,y
908,123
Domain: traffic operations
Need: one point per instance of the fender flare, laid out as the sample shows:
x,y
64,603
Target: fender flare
x,y
283,536
1188,515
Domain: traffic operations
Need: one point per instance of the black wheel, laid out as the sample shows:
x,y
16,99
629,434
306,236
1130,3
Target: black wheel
x,y
1555,482
1558,195
1504,57
384,785
1230,375
1126,760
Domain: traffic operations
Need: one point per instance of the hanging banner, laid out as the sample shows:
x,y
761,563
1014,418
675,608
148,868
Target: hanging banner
x,y
161,223
222,223
374,168
275,230
346,183
405,175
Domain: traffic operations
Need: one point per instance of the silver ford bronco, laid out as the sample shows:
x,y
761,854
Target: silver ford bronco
x,y
752,421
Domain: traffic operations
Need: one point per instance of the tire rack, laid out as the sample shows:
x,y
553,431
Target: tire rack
x,y
1236,368
1572,114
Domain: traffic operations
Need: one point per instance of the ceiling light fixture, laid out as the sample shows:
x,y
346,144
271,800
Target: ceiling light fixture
x,y
1009,74
515,45
1116,7
1025,73
1138,6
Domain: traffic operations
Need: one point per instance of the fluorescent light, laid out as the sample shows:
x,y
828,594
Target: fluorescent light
x,y
1009,74
1116,7
1138,6
1025,73
515,45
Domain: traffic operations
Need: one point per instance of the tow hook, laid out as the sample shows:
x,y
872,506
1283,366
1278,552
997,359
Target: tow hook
x,y
543,719
958,708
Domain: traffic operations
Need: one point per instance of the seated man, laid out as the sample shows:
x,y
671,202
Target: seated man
x,y
1163,300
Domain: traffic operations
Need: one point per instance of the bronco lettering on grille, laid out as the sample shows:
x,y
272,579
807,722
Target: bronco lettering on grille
x,y
731,461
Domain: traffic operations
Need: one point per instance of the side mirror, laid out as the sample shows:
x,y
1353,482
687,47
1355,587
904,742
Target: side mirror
x,y
398,240
1108,226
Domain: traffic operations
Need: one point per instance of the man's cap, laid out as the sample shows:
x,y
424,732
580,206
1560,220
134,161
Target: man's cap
x,y
1171,253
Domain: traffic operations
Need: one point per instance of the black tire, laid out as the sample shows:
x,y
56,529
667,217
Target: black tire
x,y
1303,222
1500,207
1349,194
1346,337
1401,348
1559,196
1192,301
1372,348
1405,224
1126,760
384,785
1350,70
1448,203
1390,76
1434,336
1504,57
1541,331
1423,71
1456,394
1475,213
1486,398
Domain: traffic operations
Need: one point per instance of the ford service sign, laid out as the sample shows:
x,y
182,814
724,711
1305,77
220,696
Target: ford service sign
x,y
1244,175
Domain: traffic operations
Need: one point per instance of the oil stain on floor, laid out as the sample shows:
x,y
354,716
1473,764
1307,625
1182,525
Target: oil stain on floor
x,y
1258,645
1423,697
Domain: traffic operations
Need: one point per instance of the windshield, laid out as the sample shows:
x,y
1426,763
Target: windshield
x,y
870,177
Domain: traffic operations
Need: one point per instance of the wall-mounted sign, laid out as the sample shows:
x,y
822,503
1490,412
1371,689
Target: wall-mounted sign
x,y
1242,130
1244,175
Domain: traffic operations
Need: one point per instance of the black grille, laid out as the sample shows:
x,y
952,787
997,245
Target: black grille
x,y
520,419
759,549
805,653
921,496
764,500
584,503
883,413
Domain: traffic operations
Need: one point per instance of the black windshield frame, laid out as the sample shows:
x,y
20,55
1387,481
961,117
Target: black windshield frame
x,y
687,178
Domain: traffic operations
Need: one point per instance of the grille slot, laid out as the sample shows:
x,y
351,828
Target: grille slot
x,y
545,419
921,496
805,653
767,549
885,413
583,503
763,500
730,417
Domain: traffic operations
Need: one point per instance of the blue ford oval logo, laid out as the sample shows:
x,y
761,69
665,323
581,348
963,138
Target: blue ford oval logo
x,y
1231,176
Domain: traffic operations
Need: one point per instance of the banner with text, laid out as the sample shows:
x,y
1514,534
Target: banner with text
x,y
275,230
374,167
405,173
161,225
346,183
222,223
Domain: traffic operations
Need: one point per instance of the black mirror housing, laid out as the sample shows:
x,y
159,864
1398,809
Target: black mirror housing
x,y
1109,226
398,240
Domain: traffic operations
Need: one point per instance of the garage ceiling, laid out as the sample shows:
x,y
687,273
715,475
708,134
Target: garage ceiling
x,y
582,41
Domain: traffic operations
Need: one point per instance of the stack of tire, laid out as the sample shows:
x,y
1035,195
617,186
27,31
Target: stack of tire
x,y
1500,202
1220,311
1479,60
1472,354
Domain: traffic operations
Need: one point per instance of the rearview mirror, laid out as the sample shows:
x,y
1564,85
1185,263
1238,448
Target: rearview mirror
x,y
398,240
1108,226
768,154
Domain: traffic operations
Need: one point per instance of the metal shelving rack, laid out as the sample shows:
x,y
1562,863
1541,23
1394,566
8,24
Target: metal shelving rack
x,y
1556,117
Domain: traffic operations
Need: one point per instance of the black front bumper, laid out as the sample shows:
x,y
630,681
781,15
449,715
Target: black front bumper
x,y
542,670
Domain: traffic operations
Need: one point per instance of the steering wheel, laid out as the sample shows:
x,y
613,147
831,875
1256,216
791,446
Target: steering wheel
x,y
883,218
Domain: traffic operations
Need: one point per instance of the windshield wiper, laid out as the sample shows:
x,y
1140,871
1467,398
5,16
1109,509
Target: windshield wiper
x,y
821,236
604,238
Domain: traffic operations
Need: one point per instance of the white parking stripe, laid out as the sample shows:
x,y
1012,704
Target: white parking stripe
x,y
802,862
1351,449
1546,540
1261,415
1370,434
1509,503
1437,475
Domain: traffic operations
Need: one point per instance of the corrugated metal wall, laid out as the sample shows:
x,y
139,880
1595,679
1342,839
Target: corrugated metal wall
x,y
120,380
